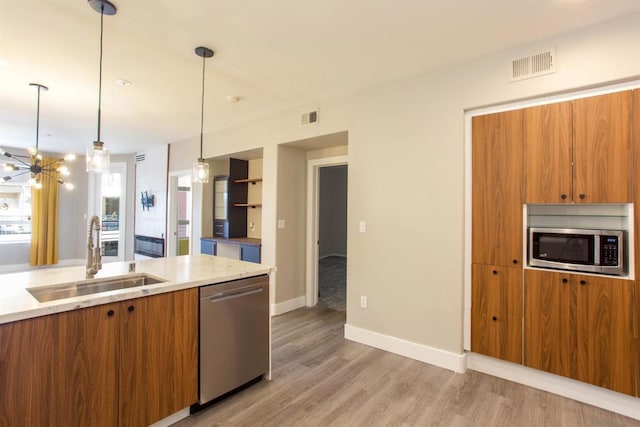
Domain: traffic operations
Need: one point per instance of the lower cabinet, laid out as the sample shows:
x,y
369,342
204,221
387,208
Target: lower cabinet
x,y
496,313
581,327
250,253
129,363
208,247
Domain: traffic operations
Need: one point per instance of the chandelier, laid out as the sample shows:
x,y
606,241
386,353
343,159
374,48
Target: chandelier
x,y
33,163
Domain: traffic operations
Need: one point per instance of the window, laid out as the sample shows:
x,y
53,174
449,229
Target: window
x,y
15,212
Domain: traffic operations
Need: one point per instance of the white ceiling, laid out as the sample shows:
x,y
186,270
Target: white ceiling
x,y
274,55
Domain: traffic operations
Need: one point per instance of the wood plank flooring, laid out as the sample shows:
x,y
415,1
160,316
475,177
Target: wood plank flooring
x,y
321,379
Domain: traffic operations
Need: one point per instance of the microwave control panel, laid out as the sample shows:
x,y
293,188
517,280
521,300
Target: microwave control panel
x,y
609,250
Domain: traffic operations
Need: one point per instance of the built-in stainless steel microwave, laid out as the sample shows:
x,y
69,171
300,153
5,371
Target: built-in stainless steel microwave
x,y
595,251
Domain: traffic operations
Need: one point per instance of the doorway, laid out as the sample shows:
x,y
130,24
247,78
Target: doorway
x,y
108,202
327,232
179,240
332,237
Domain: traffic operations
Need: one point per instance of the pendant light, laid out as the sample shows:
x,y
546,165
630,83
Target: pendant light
x,y
97,155
33,163
200,167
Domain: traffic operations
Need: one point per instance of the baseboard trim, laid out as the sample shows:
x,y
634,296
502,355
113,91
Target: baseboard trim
x,y
433,356
566,387
289,305
172,419
14,268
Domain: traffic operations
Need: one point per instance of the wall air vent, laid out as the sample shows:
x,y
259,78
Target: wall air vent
x,y
310,118
140,157
535,65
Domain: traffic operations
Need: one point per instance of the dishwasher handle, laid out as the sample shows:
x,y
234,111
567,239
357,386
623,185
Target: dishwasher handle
x,y
236,293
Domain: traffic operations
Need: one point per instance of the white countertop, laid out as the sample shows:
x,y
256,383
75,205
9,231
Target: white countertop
x,y
182,272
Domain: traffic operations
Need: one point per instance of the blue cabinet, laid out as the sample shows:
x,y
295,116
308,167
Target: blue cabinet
x,y
250,253
208,247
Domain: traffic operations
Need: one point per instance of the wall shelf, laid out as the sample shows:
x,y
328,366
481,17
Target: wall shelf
x,y
248,205
248,180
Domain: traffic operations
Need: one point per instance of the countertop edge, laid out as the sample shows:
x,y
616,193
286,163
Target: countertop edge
x,y
227,270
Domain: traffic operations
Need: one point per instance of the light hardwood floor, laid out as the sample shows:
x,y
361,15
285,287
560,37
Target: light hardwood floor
x,y
321,379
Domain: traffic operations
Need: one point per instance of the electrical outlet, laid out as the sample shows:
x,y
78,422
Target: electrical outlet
x,y
363,227
281,223
363,302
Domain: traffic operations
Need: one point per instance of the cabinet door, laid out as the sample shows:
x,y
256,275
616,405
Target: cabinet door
x,y
605,333
496,314
497,335
549,322
208,247
497,189
548,153
637,313
497,289
602,145
250,253
60,369
158,356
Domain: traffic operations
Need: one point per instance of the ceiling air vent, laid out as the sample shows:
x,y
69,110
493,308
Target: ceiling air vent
x,y
535,65
140,157
309,118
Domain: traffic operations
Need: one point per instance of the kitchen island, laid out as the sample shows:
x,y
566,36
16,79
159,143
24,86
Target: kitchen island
x,y
122,357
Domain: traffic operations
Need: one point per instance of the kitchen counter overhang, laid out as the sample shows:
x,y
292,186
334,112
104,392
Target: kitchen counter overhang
x,y
182,272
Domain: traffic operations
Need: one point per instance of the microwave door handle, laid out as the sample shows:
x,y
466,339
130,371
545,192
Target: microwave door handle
x,y
596,249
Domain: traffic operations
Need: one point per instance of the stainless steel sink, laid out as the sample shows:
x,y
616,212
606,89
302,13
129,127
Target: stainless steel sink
x,y
92,286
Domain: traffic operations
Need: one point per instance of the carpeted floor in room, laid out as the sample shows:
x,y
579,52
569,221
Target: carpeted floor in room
x,y
332,283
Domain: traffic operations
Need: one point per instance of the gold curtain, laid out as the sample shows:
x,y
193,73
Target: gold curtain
x,y
44,221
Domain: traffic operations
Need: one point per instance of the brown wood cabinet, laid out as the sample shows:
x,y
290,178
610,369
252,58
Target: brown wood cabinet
x,y
129,364
158,356
579,151
60,370
497,189
548,153
603,156
581,327
496,313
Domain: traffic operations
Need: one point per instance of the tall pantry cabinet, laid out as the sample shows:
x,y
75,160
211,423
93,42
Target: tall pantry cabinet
x,y
576,325
497,235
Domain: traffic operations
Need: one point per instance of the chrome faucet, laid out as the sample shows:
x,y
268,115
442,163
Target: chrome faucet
x,y
94,258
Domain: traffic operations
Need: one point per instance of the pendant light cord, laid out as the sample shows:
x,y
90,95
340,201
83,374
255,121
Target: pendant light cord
x,y
38,120
100,73
202,107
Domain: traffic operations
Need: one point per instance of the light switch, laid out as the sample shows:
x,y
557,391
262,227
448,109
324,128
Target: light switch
x,y
363,227
281,223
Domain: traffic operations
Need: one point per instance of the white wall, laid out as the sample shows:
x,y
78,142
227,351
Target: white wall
x,y
406,176
290,250
254,195
151,176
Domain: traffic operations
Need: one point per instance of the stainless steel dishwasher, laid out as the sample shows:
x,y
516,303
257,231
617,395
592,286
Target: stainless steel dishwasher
x,y
234,335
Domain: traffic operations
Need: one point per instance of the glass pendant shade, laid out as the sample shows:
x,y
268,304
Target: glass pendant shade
x,y
200,171
98,158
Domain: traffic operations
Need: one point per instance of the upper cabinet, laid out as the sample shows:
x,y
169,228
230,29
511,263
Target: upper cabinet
x,y
579,151
497,189
548,153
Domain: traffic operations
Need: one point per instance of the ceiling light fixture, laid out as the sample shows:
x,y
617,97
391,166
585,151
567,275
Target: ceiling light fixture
x,y
36,166
200,167
97,155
